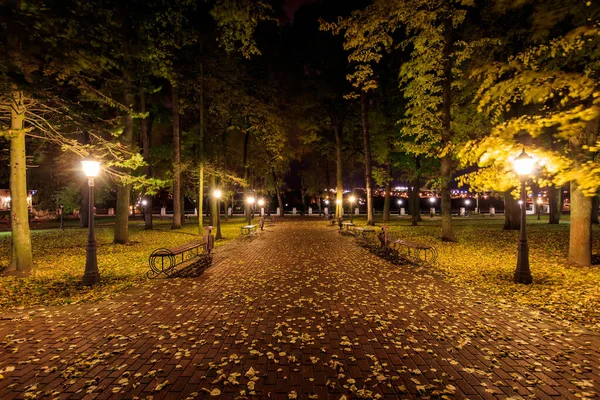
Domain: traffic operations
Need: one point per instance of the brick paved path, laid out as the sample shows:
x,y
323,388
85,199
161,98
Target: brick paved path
x,y
297,311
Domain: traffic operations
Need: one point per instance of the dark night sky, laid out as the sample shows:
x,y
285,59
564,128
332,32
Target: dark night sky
x,y
292,5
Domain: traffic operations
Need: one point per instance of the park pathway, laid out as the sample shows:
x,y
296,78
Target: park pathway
x,y
297,312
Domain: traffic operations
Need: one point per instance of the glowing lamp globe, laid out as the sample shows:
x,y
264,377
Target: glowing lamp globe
x,y
250,200
399,202
327,202
261,202
467,202
352,199
432,199
217,193
539,200
523,164
144,202
91,168
338,202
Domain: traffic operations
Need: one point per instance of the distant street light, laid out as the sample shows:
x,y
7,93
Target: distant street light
x,y
217,195
539,208
432,201
523,166
62,212
91,168
352,200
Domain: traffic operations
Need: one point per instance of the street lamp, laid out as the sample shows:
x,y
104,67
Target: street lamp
x,y
467,203
352,200
432,201
523,166
399,207
261,204
91,168
250,200
539,208
217,194
144,203
62,212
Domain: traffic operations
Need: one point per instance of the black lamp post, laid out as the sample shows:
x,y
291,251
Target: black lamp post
x,y
539,208
352,199
62,212
91,168
523,165
250,201
217,193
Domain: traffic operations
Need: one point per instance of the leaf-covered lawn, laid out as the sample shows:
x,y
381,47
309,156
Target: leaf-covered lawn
x,y
485,258
60,261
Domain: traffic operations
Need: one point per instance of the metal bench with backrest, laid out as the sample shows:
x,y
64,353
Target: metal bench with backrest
x,y
420,253
163,261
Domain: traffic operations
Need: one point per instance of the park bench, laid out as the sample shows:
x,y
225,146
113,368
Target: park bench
x,y
163,261
347,225
417,252
362,231
248,229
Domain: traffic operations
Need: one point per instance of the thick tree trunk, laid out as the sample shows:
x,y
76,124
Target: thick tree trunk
x,y
201,157
595,205
277,191
367,149
176,158
22,258
535,190
83,205
339,177
121,228
146,152
580,238
214,212
512,214
247,176
555,204
388,189
446,161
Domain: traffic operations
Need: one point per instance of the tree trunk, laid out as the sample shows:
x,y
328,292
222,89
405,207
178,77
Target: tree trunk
x,y
446,161
146,152
555,204
367,149
214,212
339,178
580,238
388,189
176,158
83,205
121,228
535,190
512,210
277,191
595,205
247,176
22,258
201,157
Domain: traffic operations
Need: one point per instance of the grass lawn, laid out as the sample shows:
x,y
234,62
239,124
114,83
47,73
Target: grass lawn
x,y
59,257
485,257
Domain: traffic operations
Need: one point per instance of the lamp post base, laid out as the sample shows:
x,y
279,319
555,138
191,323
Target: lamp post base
x,y
90,279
